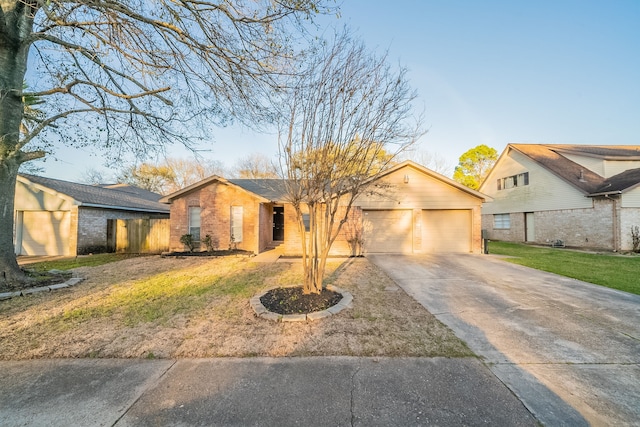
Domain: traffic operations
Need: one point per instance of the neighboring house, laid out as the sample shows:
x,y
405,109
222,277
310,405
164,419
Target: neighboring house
x,y
419,212
54,217
586,196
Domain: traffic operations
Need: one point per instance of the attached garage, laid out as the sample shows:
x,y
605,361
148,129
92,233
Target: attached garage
x,y
43,232
388,231
54,217
446,230
411,209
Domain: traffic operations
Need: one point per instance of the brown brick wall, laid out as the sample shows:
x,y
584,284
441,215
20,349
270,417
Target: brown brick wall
x,y
215,201
293,238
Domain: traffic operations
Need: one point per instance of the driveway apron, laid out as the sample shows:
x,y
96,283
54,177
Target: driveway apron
x,y
569,350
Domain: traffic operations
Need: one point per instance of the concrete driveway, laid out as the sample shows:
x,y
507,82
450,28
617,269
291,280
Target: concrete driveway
x,y
569,350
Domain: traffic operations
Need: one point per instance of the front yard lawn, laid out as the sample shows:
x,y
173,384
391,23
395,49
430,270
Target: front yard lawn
x,y
620,272
153,307
79,261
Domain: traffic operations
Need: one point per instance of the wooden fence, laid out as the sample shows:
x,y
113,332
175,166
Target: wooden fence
x,y
141,236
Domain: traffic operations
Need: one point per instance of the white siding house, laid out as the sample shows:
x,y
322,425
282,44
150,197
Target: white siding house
x,y
585,196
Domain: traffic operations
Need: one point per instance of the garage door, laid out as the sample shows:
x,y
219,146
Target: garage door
x,y
45,233
446,231
388,231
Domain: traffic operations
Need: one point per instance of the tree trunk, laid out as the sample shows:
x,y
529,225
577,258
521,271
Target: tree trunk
x,y
13,65
10,273
312,275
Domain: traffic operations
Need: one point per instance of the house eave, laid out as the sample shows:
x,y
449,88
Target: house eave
x,y
605,193
121,208
483,197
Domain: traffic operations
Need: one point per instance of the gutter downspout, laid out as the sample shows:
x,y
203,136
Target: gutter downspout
x,y
614,215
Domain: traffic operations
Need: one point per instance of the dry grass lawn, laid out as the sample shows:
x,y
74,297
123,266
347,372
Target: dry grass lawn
x,y
156,307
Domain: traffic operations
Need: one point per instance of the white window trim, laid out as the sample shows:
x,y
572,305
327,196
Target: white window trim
x,y
196,238
502,221
237,214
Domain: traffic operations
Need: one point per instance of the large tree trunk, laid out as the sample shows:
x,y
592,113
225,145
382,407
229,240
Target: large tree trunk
x,y
10,273
13,65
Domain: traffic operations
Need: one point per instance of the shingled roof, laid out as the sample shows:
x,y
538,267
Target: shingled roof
x,y
271,189
114,196
590,183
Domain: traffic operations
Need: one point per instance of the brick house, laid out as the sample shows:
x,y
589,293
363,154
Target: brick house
x,y
54,217
420,211
585,196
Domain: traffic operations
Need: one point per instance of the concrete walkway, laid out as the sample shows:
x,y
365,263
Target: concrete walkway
x,y
269,256
323,391
570,350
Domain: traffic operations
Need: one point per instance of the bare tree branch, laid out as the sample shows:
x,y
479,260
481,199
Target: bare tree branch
x,y
133,76
347,117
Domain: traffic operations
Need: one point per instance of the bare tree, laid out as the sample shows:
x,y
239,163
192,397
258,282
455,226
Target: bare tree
x,y
255,166
149,176
433,161
170,175
189,171
131,75
347,118
96,176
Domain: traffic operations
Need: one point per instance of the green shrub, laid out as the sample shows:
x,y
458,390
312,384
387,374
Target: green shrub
x,y
187,240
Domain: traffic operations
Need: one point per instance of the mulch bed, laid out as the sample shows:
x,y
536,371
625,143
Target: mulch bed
x,y
293,301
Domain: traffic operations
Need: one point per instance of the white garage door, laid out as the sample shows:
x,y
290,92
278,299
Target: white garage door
x,y
45,233
446,231
388,231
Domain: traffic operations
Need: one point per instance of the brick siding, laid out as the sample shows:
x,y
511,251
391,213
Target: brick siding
x,y
591,228
215,201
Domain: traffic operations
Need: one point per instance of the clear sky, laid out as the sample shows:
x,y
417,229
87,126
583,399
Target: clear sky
x,y
487,72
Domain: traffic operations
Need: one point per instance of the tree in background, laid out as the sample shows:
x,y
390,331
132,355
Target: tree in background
x,y
345,120
189,171
474,165
132,75
165,177
151,177
255,166
432,161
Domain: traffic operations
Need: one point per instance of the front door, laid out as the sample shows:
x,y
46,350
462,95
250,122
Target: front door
x,y
278,223
530,228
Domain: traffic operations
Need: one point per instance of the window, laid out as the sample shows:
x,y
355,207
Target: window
x,y
236,224
194,223
305,221
501,221
512,181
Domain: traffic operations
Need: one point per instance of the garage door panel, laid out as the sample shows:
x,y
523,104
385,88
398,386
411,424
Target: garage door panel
x,y
446,231
388,231
45,233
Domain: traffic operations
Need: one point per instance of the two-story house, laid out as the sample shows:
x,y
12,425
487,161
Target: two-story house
x,y
583,195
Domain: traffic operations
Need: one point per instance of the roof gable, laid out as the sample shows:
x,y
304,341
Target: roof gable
x,y
268,190
551,158
98,196
432,174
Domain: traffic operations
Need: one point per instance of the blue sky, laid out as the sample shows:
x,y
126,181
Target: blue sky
x,y
487,72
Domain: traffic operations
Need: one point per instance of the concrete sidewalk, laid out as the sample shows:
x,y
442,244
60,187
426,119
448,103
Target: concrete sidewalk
x,y
322,391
